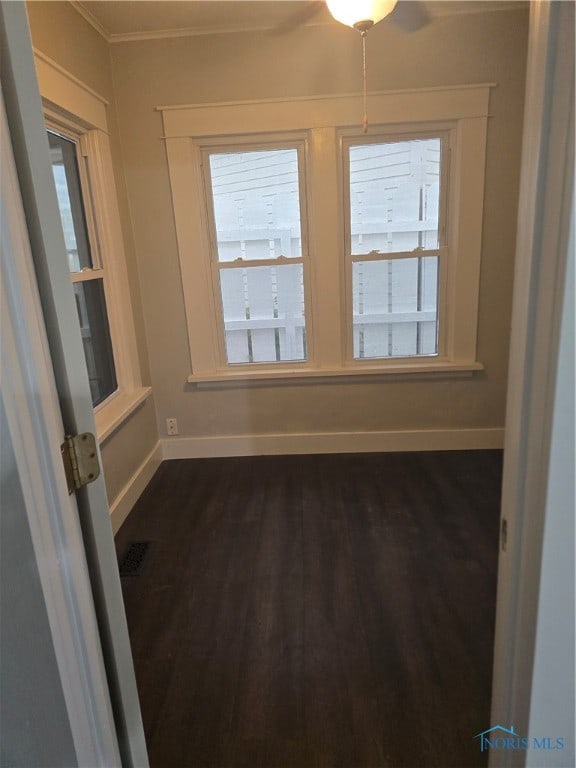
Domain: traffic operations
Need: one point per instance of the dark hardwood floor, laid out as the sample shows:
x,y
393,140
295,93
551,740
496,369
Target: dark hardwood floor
x,y
316,611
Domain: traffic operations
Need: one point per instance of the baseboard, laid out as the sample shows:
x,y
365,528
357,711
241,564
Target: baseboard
x,y
331,442
129,495
278,444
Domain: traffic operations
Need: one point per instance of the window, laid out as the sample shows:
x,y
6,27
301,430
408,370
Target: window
x,y
79,146
324,252
394,240
258,256
85,266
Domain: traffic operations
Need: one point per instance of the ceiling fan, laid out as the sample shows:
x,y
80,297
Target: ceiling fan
x,y
362,15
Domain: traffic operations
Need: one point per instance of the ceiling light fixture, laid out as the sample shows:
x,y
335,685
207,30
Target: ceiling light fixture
x,y
361,15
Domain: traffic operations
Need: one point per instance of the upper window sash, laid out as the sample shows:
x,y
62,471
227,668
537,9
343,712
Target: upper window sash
x,y
351,142
81,197
239,188
245,145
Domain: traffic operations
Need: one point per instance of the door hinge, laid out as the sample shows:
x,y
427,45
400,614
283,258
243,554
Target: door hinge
x,y
80,459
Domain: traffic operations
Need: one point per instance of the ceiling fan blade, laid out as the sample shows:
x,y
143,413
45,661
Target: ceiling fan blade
x,y
301,16
410,16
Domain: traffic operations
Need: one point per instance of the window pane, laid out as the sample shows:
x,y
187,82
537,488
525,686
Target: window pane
x,y
256,204
68,190
394,193
395,307
264,314
91,306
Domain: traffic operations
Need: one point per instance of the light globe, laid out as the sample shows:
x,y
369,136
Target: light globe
x,y
353,12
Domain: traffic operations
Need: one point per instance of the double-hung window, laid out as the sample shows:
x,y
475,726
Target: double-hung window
x,y
394,244
84,260
335,253
258,253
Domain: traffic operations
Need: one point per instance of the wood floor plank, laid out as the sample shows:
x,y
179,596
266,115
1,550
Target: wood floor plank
x,y
316,611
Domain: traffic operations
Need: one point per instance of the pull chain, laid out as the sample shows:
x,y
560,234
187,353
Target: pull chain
x,y
364,86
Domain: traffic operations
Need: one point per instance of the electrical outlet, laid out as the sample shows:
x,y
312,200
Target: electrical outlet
x,y
171,426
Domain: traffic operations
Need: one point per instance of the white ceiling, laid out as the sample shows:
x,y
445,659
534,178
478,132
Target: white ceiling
x,y
119,20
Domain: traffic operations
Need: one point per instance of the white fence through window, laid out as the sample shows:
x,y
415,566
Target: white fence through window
x,y
394,209
256,205
394,250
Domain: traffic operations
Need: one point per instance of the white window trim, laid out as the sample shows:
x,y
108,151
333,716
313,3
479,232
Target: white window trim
x,y
462,110
77,111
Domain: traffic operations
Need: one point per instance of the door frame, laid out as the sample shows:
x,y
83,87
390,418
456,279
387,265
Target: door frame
x,y
543,241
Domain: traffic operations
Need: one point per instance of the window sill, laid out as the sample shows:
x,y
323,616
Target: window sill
x,y
401,371
114,413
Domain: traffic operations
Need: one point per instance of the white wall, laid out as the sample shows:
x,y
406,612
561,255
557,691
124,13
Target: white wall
x,y
469,48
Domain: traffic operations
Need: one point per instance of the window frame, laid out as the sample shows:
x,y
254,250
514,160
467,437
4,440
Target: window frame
x,y
230,145
462,111
73,110
383,135
82,140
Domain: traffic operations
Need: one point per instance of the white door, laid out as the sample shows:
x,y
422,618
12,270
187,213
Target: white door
x,y
46,395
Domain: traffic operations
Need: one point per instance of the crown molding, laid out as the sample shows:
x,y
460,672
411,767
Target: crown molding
x,y
161,34
91,19
441,8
